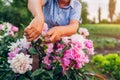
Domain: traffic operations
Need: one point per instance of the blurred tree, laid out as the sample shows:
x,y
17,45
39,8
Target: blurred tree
x,y
94,20
15,11
112,6
84,12
118,19
104,21
99,14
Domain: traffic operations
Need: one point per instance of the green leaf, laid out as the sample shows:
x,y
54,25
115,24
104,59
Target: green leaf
x,y
23,78
38,42
50,74
45,47
3,59
67,76
87,78
22,26
75,76
4,70
58,70
32,50
37,72
66,48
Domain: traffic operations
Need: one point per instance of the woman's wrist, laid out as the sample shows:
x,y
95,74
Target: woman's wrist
x,y
38,14
40,18
68,30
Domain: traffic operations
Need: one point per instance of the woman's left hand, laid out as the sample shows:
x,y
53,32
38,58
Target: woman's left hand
x,y
54,34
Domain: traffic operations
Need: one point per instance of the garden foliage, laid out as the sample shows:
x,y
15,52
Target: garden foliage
x,y
108,64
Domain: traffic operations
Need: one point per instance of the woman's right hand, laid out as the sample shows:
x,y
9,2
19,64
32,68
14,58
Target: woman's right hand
x,y
34,29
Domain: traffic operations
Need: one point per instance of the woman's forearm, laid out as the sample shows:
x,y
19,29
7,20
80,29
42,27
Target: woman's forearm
x,y
34,29
71,28
35,7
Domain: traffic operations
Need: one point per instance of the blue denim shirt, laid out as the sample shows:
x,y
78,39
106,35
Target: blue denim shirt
x,y
55,16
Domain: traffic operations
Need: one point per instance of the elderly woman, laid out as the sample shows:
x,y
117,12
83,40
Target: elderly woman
x,y
62,17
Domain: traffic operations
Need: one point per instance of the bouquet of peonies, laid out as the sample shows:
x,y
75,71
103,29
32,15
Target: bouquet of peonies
x,y
62,60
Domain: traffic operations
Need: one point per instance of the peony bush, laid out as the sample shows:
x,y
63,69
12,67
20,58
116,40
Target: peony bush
x,y
62,60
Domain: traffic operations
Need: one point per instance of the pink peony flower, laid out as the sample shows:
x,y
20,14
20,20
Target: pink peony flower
x,y
77,45
55,58
45,29
1,26
91,51
11,33
66,61
13,53
46,60
60,47
81,60
74,57
14,29
50,48
64,65
89,44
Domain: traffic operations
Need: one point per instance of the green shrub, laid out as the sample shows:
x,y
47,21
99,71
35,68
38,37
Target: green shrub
x,y
109,64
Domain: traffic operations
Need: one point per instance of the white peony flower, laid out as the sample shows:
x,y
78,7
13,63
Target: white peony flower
x,y
84,32
4,27
78,38
66,39
21,63
21,43
6,34
8,27
13,46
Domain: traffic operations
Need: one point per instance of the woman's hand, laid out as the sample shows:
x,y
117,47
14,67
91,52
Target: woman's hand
x,y
57,32
54,34
34,29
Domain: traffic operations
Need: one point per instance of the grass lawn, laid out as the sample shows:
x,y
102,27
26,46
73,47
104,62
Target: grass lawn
x,y
103,30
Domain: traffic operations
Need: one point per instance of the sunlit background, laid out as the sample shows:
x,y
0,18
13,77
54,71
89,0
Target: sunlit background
x,y
93,6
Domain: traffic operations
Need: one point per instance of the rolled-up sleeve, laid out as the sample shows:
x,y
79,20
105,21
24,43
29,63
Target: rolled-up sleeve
x,y
45,1
75,12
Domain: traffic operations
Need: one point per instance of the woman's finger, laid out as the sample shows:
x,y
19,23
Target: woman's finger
x,y
28,28
32,35
53,38
47,35
25,34
29,32
27,37
50,32
32,38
